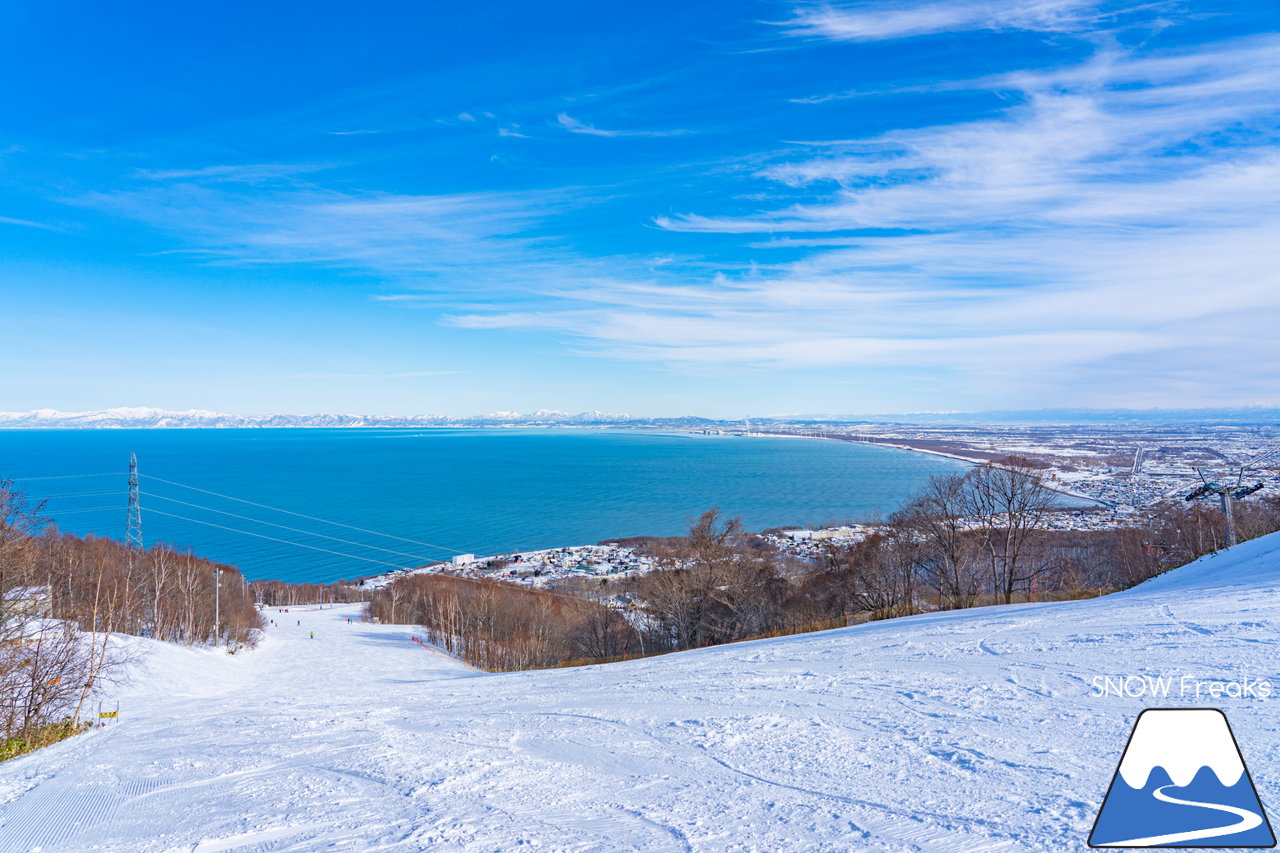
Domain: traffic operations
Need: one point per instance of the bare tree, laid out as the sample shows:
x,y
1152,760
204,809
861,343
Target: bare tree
x,y
874,575
931,533
1007,501
20,523
714,587
602,632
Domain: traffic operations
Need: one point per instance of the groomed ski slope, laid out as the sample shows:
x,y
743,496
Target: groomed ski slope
x,y
964,731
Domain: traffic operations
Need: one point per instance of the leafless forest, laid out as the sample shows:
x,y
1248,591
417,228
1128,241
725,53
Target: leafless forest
x,y
61,598
961,541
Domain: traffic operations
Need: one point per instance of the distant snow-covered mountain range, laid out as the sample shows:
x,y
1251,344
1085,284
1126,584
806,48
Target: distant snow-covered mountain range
x,y
150,418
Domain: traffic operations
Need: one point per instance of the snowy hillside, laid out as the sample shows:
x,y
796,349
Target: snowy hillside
x,y
966,731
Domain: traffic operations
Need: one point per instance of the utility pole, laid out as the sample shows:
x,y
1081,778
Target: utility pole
x,y
133,526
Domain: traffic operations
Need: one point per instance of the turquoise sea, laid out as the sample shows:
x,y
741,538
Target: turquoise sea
x,y
475,490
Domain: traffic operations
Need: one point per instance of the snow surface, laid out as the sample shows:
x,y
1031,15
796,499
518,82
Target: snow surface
x,y
975,730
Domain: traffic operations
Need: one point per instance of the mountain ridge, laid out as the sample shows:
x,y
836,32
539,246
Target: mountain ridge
x,y
144,417
147,417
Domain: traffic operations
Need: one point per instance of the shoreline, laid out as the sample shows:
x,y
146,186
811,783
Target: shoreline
x,y
431,568
907,447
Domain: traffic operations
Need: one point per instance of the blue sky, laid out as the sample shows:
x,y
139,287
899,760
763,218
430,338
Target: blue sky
x,y
723,209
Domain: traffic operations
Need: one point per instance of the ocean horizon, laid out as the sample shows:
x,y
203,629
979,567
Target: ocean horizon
x,y
434,493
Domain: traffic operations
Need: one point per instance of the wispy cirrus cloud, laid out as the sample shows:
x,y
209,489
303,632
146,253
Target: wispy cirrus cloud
x,y
875,21
1113,138
265,215
1107,232
232,173
1113,226
27,223
572,125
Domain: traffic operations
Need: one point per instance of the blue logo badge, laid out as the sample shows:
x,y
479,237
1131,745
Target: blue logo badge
x,y
1182,782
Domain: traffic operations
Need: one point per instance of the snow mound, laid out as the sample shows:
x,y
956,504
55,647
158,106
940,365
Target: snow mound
x,y
1255,563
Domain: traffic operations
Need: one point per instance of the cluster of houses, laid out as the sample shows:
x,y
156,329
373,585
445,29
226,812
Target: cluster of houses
x,y
536,568
533,568
809,544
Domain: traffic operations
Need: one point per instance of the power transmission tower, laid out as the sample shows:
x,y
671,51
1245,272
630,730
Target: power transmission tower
x,y
133,529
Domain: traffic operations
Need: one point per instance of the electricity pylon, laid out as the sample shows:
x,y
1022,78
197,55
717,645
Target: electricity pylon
x,y
133,528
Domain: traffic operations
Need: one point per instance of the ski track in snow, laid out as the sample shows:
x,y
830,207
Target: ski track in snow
x,y
967,731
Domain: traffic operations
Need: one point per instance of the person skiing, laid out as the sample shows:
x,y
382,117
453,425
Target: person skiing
x,y
313,635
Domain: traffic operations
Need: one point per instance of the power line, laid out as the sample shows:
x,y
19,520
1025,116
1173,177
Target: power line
x,y
287,527
72,476
84,495
274,539
61,513
301,515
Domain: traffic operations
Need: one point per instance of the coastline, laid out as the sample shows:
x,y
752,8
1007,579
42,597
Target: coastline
x,y
909,448
624,521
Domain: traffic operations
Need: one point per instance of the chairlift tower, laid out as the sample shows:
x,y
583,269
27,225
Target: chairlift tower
x,y
1229,494
133,527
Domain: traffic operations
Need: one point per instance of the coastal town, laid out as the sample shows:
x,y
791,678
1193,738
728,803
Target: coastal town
x,y
1110,475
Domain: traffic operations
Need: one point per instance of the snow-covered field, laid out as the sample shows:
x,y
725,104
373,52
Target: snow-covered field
x,y
965,731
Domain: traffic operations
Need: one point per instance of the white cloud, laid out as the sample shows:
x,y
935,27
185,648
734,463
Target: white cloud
x,y
1112,233
887,20
572,125
1107,239
27,223
238,173
288,221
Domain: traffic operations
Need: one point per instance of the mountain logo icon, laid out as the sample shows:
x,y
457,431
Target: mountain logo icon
x,y
1182,782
